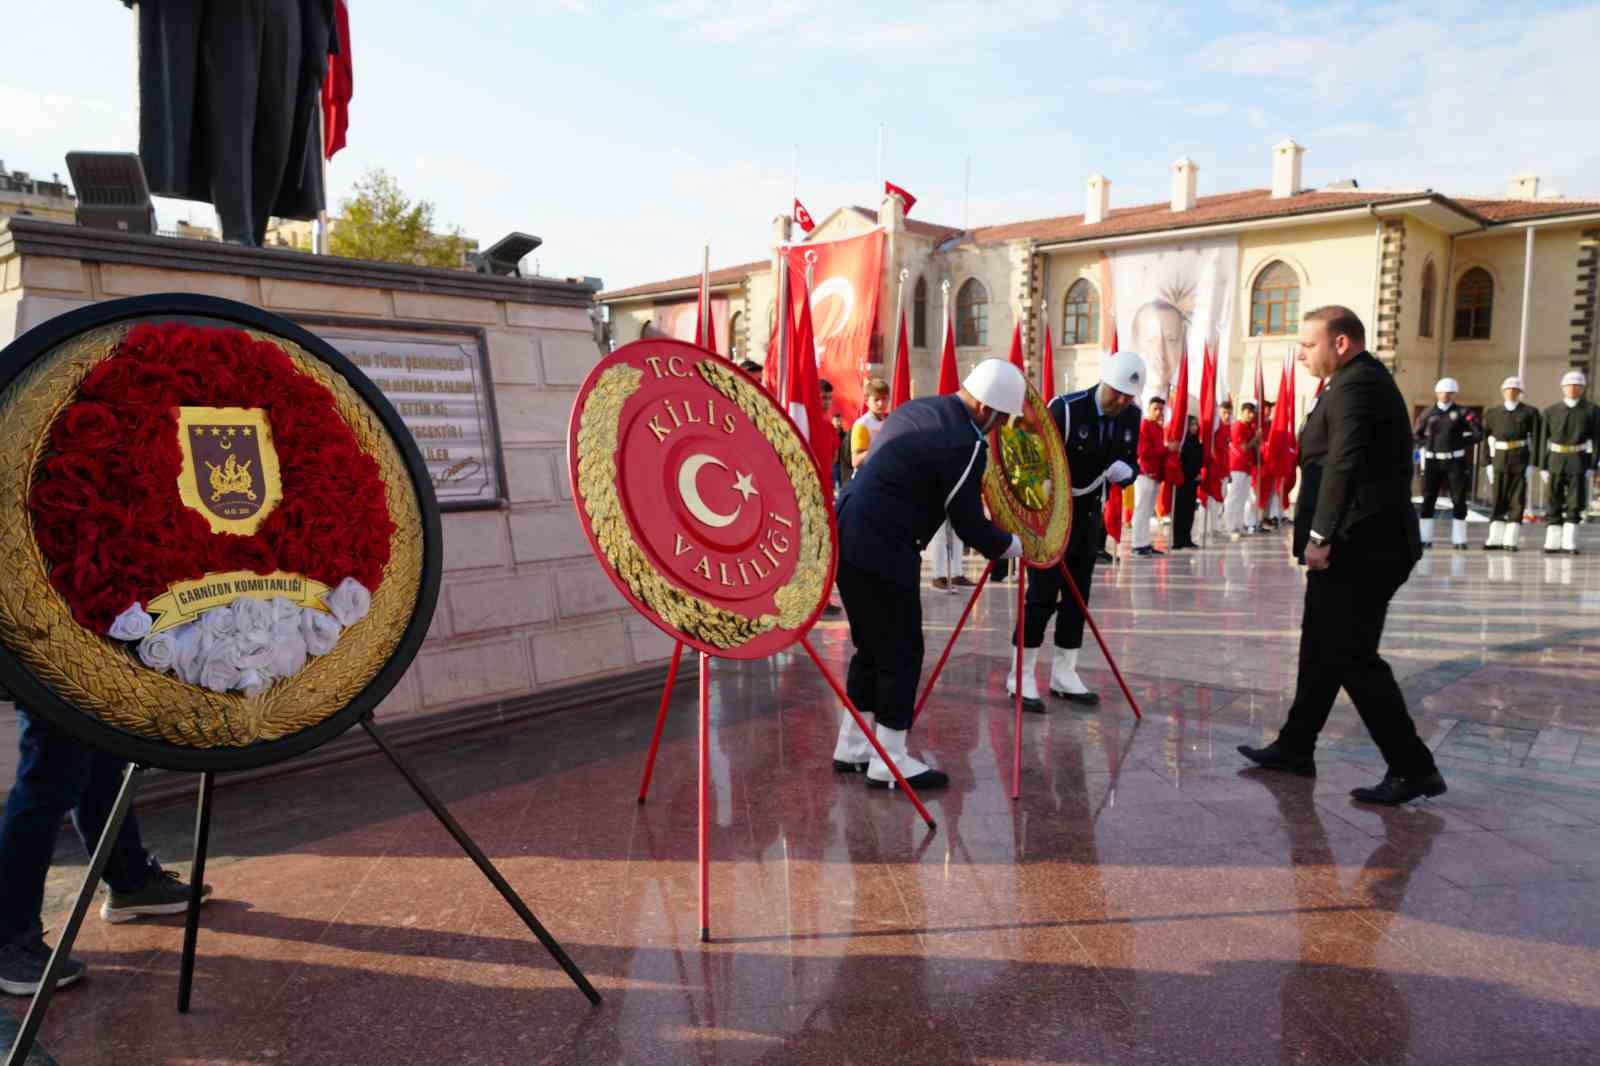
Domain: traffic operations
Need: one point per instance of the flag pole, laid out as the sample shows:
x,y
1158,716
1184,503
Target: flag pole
x,y
899,310
880,155
705,297
782,323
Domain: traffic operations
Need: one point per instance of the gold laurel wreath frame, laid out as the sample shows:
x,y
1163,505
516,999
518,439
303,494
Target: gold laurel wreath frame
x,y
1038,550
598,430
102,677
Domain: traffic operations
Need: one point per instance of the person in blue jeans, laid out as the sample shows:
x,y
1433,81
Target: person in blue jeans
x,y
58,775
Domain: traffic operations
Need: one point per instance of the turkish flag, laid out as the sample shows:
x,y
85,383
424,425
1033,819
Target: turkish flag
x,y
803,396
338,87
1015,355
949,379
1213,476
1261,481
1047,367
802,216
845,279
891,189
900,388
1113,513
1113,340
1177,429
1282,452
684,321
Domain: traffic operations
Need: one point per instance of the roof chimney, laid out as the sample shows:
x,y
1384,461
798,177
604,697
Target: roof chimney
x,y
1183,183
1286,169
1524,186
1098,205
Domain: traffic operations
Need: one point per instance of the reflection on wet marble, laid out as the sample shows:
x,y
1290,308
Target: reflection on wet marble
x,y
1148,899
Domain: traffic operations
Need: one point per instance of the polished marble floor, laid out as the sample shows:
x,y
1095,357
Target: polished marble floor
x,y
1147,900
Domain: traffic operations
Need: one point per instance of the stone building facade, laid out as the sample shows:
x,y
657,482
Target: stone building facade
x,y
1440,280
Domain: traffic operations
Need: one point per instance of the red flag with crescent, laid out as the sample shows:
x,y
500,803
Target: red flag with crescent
x,y
845,278
1015,355
900,388
891,189
1047,367
949,378
803,217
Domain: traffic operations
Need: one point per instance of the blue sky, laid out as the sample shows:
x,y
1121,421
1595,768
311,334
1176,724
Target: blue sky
x,y
628,135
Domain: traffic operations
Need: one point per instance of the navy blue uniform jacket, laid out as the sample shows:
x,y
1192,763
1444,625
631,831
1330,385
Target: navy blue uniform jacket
x,y
928,462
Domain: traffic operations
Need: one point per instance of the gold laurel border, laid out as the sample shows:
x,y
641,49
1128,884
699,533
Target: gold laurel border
x,y
1006,510
599,428
101,676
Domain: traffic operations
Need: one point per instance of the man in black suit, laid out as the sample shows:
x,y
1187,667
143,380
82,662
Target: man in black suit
x,y
1356,533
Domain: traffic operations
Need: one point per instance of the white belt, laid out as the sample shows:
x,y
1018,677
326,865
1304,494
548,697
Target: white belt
x,y
1570,449
1445,455
1507,445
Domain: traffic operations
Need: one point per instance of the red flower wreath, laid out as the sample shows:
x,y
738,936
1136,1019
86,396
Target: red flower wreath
x,y
106,509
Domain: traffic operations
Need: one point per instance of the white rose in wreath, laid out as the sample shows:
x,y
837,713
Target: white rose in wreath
x,y
251,651
159,651
218,623
252,615
288,655
321,631
284,610
218,672
192,647
254,682
132,624
350,602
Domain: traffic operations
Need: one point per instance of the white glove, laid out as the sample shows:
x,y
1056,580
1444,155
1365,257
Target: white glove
x,y
1545,475
1489,472
1118,472
1015,551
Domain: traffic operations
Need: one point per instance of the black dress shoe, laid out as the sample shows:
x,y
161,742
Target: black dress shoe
x,y
926,781
844,766
1087,699
1492,548
832,610
1148,551
1460,547
1273,757
1103,557
1392,791
1552,551
1426,545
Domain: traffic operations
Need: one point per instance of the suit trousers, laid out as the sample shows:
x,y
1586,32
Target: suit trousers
x,y
1510,492
1569,485
1436,473
1345,609
886,628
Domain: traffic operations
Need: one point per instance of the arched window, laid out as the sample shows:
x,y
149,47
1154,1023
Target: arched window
x,y
1275,301
1474,305
919,314
1080,317
972,315
735,349
1425,304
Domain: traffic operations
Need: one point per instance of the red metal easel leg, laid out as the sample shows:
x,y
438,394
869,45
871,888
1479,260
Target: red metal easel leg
x,y
705,773
661,721
1016,756
838,690
1072,587
951,643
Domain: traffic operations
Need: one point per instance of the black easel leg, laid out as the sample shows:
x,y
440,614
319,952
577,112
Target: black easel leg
x,y
197,878
58,958
476,854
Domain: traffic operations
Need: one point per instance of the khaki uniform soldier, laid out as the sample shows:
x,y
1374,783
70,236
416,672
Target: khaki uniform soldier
x,y
1513,430
1567,455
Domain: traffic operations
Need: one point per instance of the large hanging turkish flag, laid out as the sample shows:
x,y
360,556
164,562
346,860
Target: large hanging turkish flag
x,y
845,278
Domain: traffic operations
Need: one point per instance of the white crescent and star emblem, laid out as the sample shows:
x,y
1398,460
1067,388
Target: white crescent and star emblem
x,y
689,491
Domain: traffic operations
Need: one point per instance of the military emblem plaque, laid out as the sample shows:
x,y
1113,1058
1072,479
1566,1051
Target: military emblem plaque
x,y
1027,484
700,499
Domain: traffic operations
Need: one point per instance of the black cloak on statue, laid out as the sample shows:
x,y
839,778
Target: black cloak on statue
x,y
230,106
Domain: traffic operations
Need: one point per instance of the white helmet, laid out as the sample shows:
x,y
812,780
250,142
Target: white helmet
x,y
1574,377
998,384
1447,385
1512,382
1125,372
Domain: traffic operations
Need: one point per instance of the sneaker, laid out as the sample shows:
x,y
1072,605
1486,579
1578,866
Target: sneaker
x,y
941,583
23,962
163,892
965,582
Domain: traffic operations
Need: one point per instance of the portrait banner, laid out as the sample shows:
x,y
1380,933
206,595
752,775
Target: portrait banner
x,y
845,278
1169,302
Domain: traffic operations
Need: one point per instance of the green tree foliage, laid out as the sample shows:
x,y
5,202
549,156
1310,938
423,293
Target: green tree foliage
x,y
380,223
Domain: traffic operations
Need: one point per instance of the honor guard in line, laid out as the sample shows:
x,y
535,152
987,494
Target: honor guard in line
x,y
1100,427
1512,430
1570,431
1446,434
927,466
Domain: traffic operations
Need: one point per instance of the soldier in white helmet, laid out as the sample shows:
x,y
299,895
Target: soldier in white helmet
x,y
1100,427
1445,434
927,467
1511,430
1571,429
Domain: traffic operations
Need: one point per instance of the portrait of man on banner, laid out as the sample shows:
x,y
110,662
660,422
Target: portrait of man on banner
x,y
1169,302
